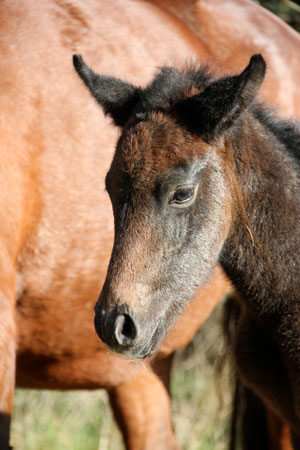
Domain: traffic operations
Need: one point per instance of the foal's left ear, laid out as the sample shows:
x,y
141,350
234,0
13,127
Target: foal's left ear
x,y
117,98
216,108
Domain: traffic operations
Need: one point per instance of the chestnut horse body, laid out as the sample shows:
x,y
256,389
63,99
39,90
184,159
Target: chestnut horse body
x,y
56,220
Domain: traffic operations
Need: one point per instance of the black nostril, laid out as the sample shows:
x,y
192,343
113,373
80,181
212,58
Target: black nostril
x,y
125,330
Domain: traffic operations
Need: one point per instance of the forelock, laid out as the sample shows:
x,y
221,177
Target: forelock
x,y
171,86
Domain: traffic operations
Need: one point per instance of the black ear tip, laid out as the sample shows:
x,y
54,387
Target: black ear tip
x,y
77,61
257,62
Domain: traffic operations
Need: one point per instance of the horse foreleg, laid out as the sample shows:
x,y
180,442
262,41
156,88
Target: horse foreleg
x,y
7,367
143,411
279,433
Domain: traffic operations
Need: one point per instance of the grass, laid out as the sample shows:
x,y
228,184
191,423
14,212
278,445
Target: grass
x,y
47,420
79,420
201,394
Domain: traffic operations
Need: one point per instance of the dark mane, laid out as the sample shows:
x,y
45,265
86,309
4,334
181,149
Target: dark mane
x,y
171,86
286,131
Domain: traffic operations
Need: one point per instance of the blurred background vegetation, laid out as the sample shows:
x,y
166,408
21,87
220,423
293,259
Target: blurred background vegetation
x,y
288,10
45,420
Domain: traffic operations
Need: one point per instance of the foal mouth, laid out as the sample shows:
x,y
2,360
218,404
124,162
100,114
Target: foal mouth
x,y
152,345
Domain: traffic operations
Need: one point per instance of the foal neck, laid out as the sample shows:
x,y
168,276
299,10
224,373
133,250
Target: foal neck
x,y
261,254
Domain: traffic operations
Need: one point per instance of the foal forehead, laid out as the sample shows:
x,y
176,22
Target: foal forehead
x,y
159,142
155,145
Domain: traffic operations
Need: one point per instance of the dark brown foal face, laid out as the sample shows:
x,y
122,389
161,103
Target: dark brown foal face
x,y
170,195
160,183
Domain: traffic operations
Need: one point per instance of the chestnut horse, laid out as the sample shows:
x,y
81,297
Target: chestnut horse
x,y
204,174
57,227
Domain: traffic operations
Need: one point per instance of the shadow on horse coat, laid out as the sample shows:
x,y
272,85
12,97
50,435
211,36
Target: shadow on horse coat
x,y
56,221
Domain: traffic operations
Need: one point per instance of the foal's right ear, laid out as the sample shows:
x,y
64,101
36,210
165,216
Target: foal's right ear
x,y
222,102
116,97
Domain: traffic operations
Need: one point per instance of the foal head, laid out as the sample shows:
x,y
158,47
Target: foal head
x,y
170,191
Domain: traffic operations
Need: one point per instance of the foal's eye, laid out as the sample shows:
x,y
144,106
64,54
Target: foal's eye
x,y
182,195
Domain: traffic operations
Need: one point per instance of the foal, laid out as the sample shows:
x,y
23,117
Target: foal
x,y
202,174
